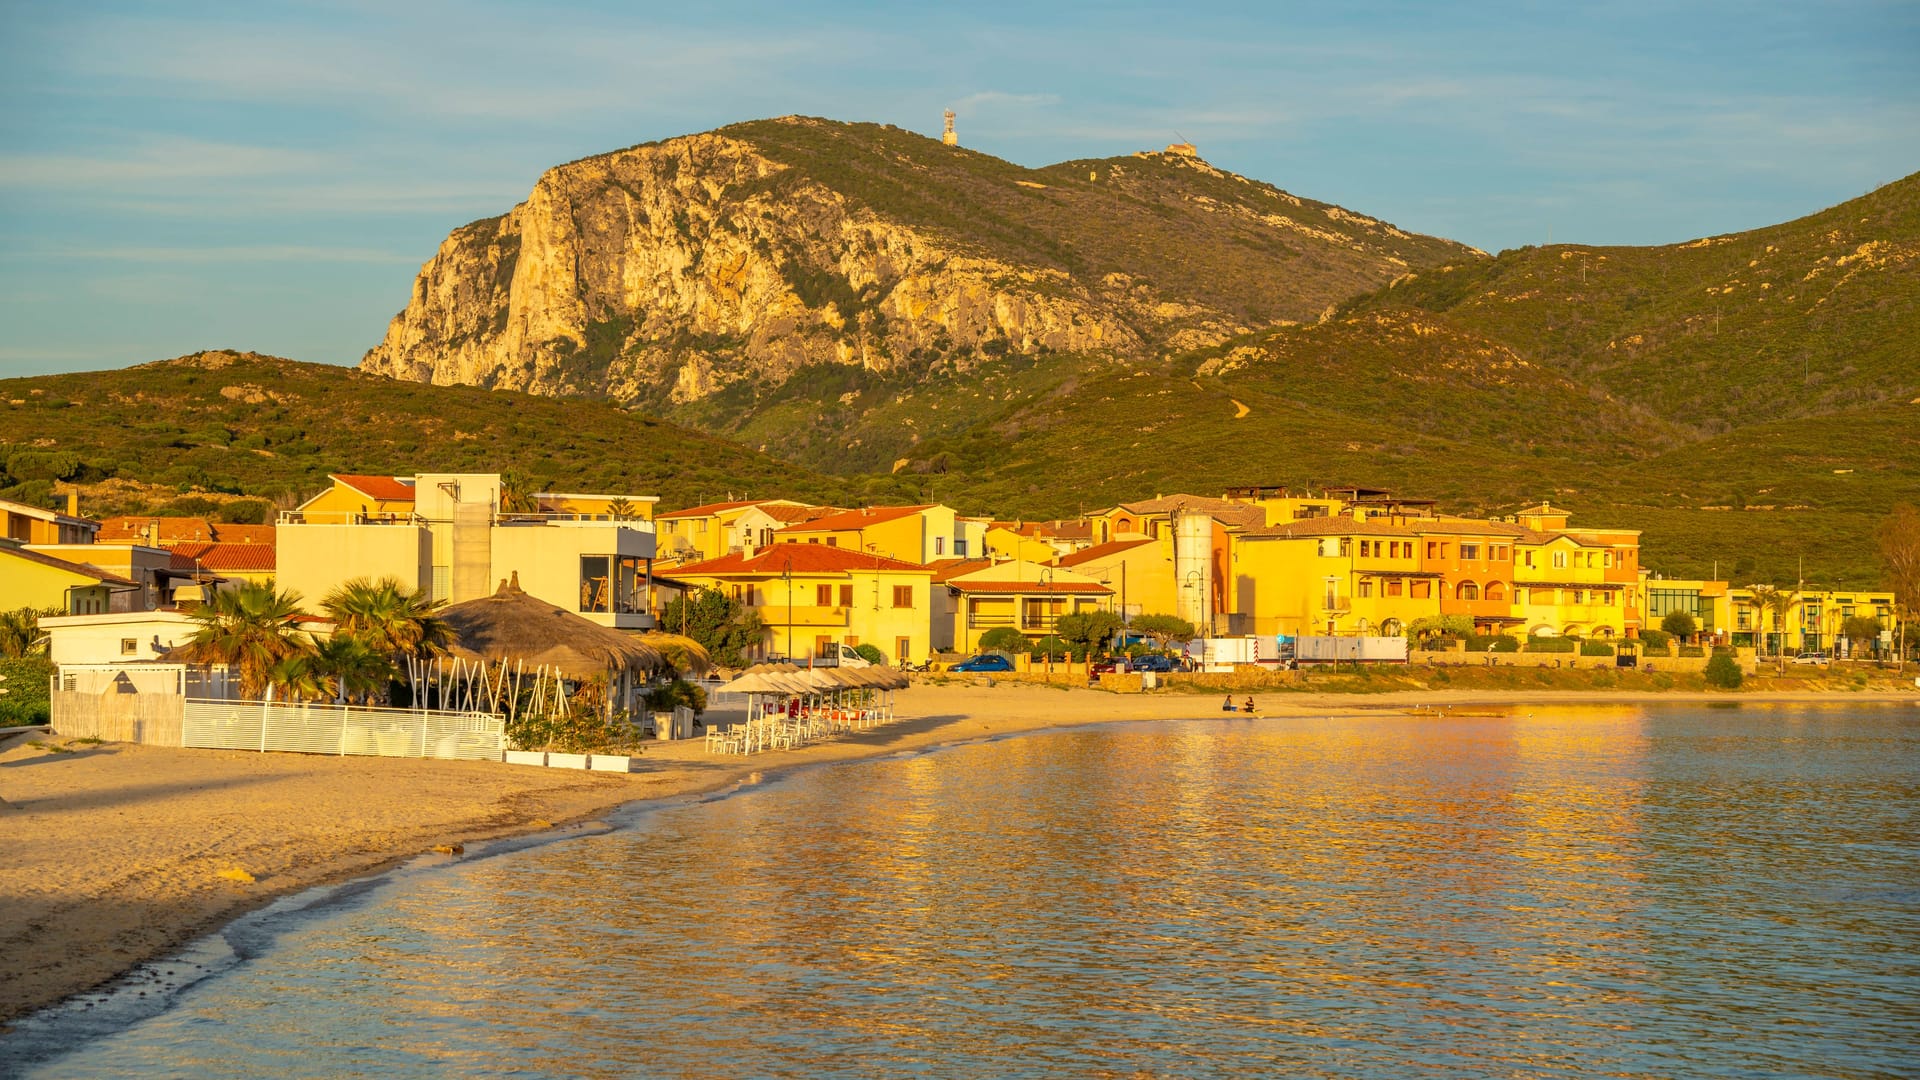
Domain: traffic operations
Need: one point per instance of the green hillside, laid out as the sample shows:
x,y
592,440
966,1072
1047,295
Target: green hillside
x,y
1806,318
240,423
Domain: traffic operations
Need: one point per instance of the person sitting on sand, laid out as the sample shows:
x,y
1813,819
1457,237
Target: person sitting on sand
x,y
1248,707
1227,706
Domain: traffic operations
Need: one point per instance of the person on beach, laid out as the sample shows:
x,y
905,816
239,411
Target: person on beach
x,y
1227,706
1248,707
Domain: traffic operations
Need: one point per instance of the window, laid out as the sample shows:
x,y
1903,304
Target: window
x,y
846,596
1496,591
1529,558
753,596
1606,560
1422,590
1433,550
1610,598
1366,549
1559,560
902,649
823,595
1346,546
939,545
1366,587
959,549
903,596
821,643
1396,587
129,646
1466,590
833,541
1470,551
596,585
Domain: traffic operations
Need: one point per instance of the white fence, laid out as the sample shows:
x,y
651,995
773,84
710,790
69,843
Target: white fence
x,y
313,728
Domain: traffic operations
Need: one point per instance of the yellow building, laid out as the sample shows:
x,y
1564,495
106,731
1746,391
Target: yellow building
x,y
32,579
353,497
724,528
26,524
596,507
454,542
1005,540
1140,571
983,595
809,596
1332,576
916,534
1812,622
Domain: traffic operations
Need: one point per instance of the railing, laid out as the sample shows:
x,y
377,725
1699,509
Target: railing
x,y
317,728
347,517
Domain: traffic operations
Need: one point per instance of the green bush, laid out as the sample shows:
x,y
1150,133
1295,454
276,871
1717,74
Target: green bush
x,y
870,653
1004,639
1499,643
1655,639
1692,650
1051,648
1552,644
1723,672
25,701
1595,648
1680,624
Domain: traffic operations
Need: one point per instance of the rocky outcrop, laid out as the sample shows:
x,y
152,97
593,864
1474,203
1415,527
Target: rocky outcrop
x,y
670,271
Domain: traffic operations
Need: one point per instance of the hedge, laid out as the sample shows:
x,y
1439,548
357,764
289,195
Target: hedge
x,y
25,701
1655,639
1595,648
1500,643
1552,644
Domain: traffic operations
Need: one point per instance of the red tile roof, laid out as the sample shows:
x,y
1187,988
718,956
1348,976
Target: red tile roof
x,y
710,508
244,557
1030,587
799,558
244,534
851,520
156,530
1101,551
793,514
947,568
1327,526
384,488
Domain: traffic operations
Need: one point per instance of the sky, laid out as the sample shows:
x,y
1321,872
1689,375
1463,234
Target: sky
x,y
181,176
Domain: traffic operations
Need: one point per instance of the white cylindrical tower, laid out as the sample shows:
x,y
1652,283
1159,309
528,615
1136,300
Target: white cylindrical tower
x,y
1193,568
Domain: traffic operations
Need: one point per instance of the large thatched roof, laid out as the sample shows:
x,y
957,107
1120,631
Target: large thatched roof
x,y
512,626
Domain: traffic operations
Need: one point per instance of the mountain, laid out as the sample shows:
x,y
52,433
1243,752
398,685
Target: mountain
x,y
669,272
219,424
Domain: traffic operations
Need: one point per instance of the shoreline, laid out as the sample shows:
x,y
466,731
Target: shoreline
x,y
116,853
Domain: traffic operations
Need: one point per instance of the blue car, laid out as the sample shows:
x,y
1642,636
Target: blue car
x,y
984,662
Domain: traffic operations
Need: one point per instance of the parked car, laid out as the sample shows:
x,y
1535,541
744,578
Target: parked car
x,y
1813,658
983,663
1110,665
1156,662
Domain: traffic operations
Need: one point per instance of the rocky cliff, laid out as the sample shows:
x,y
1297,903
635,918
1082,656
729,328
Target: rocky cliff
x,y
668,272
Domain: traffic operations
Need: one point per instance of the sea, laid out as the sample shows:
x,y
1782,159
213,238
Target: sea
x,y
1645,891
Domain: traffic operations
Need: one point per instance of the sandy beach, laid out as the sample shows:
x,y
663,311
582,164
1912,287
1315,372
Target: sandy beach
x,y
116,854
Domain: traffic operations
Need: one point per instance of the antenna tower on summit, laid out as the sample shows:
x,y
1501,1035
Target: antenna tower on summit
x,y
947,136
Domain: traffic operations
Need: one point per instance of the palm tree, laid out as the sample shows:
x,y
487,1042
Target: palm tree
x,y
517,492
393,622
20,631
347,668
297,678
1780,603
621,508
250,629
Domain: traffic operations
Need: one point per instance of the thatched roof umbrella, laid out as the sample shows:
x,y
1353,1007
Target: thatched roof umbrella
x,y
511,626
685,654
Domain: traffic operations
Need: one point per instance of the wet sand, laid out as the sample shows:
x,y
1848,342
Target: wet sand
x,y
117,854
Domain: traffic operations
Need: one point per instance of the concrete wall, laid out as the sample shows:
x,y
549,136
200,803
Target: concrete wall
x,y
316,559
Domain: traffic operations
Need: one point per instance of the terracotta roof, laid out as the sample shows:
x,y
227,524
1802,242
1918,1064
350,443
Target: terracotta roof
x,y
1326,526
800,558
710,508
1544,508
82,569
243,534
1225,511
794,514
1100,551
224,557
154,529
384,488
850,520
1469,526
1030,587
947,568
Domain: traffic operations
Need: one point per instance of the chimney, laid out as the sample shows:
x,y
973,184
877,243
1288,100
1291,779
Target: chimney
x,y
73,503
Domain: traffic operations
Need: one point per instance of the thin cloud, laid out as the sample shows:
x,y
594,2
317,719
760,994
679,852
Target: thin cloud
x,y
231,254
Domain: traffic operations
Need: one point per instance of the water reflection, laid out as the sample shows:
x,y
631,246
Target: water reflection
x,y
1600,891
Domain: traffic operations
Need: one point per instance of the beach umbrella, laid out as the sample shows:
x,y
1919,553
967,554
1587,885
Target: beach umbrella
x,y
687,656
511,626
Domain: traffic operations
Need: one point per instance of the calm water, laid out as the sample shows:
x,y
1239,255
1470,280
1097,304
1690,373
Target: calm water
x,y
1599,892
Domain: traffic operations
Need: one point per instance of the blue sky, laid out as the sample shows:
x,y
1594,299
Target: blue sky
x,y
179,176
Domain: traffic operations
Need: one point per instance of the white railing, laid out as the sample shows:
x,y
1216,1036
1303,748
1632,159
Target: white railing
x,y
317,728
